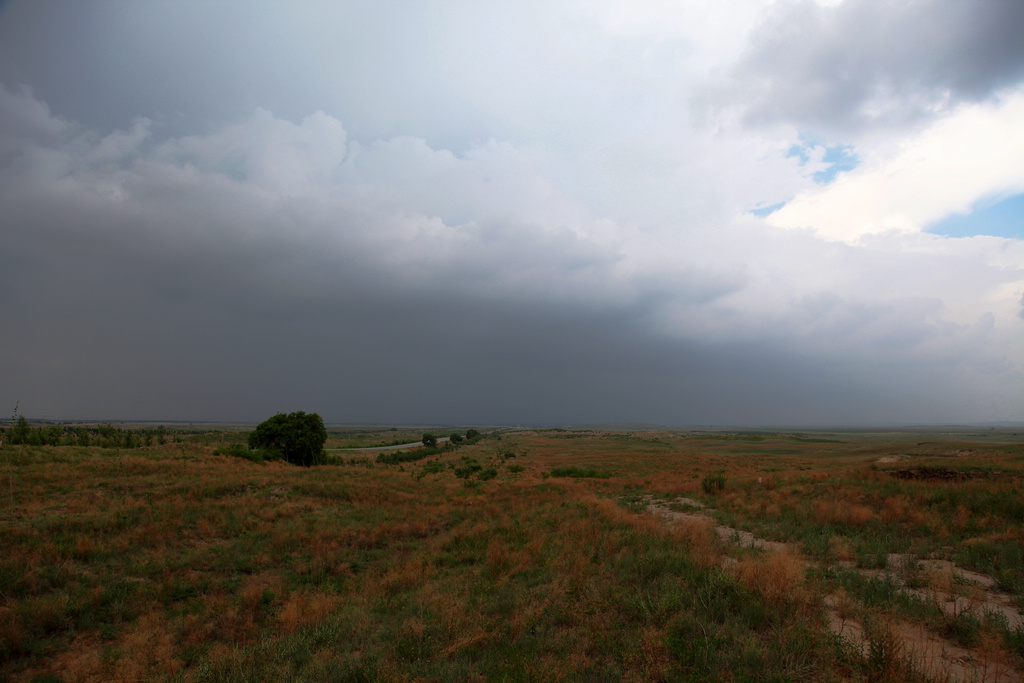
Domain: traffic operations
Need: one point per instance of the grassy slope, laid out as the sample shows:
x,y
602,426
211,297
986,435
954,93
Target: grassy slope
x,y
171,562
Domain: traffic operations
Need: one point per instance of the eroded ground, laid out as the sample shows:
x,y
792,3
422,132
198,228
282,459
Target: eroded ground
x,y
955,591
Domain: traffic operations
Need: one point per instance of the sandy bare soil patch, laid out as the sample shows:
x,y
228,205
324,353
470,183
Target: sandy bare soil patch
x,y
744,539
952,589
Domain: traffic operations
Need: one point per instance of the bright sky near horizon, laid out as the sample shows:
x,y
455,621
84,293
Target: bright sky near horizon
x,y
787,212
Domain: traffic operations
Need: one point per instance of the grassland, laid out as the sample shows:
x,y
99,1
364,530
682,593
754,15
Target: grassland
x,y
534,555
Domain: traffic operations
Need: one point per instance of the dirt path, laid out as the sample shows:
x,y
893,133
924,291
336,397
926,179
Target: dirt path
x,y
744,539
954,590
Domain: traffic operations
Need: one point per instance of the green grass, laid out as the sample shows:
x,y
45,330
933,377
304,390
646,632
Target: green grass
x,y
177,562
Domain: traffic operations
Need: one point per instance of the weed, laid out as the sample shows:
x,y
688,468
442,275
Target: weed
x,y
885,657
873,553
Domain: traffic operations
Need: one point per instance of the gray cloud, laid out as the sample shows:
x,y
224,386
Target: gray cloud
x,y
863,63
384,215
124,331
198,66
249,271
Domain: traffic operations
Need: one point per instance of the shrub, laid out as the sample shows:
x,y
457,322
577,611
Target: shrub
x,y
429,440
240,451
467,467
299,436
431,467
398,457
712,483
579,473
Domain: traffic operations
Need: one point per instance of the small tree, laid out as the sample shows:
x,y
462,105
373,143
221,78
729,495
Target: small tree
x,y
21,433
299,437
429,440
455,438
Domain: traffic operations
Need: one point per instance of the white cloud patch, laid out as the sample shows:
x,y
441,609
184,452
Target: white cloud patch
x,y
283,157
975,152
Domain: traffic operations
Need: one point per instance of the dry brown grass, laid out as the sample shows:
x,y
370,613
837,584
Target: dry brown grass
x,y
642,523
842,513
902,509
304,608
775,576
704,544
140,565
840,549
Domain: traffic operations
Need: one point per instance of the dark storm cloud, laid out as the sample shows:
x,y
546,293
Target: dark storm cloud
x,y
111,328
868,62
195,66
177,279
190,231
227,327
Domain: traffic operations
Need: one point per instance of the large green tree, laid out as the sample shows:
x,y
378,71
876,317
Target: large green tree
x,y
299,437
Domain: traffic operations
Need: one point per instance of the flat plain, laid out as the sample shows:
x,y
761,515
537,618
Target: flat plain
x,y
539,555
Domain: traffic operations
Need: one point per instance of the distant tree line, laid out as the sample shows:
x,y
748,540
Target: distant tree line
x,y
295,437
21,433
430,447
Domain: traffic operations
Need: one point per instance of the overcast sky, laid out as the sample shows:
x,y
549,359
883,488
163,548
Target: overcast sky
x,y
729,213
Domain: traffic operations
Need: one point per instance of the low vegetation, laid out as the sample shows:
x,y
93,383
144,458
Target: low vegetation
x,y
549,555
579,472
